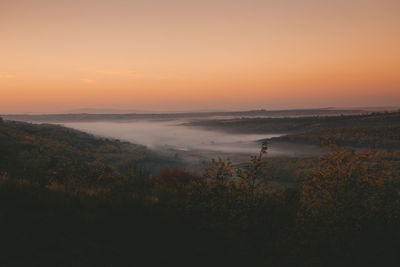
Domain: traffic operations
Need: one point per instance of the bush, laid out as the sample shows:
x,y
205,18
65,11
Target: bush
x,y
348,191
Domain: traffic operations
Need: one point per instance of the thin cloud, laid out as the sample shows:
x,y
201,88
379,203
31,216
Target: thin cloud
x,y
87,81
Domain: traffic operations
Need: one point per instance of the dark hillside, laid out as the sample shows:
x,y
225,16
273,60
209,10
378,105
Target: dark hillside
x,y
48,149
299,125
67,200
370,137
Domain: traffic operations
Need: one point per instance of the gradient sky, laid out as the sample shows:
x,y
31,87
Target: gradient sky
x,y
172,55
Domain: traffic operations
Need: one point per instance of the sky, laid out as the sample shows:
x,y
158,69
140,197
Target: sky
x,y
176,55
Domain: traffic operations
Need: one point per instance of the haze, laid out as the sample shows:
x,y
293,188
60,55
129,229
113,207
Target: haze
x,y
162,136
197,55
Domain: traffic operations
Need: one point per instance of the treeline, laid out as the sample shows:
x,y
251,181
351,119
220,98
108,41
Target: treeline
x,y
371,137
299,124
88,117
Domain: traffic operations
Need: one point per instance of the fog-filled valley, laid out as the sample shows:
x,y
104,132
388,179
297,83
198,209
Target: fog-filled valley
x,y
171,135
178,135
187,140
196,184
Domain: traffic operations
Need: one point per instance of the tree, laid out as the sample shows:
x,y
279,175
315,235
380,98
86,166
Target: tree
x,y
172,185
220,171
254,172
347,190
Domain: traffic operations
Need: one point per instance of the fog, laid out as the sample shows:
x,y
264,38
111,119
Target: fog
x,y
170,135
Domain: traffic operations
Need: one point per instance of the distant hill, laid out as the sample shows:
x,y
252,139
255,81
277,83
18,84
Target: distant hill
x,y
298,124
371,137
96,116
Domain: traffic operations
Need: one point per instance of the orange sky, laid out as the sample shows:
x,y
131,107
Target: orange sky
x,y
175,55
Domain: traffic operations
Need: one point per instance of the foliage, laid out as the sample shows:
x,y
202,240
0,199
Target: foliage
x,y
348,190
299,124
372,137
254,172
220,171
62,203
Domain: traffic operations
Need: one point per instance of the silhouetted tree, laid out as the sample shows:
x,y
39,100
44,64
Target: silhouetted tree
x,y
220,171
254,173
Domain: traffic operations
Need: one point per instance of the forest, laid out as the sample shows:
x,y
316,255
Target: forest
x,y
371,137
68,198
294,125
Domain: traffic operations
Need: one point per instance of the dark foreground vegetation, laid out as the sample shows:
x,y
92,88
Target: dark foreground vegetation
x,y
61,206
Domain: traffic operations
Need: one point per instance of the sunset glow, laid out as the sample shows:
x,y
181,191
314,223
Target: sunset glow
x,y
58,55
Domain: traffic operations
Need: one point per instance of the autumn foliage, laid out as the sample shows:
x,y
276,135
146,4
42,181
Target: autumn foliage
x,y
344,213
348,191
